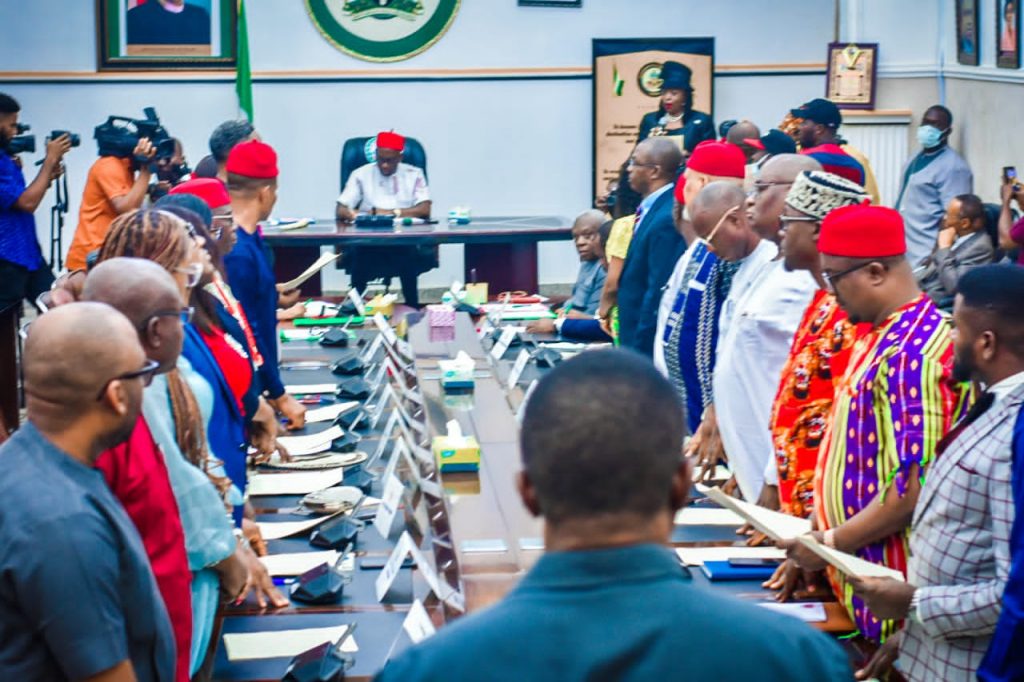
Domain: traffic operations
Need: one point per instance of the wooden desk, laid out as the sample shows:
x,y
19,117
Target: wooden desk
x,y
502,250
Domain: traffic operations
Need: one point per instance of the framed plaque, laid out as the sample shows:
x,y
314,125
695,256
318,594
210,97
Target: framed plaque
x,y
852,75
1008,34
967,45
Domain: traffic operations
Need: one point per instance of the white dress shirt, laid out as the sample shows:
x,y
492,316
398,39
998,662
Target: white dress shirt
x,y
752,349
368,188
1003,388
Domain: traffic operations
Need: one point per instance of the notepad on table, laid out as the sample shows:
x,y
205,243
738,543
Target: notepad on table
x,y
696,556
848,563
776,525
298,483
246,646
297,563
702,516
329,412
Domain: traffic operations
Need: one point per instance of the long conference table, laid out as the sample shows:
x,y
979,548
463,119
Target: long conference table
x,y
479,537
501,251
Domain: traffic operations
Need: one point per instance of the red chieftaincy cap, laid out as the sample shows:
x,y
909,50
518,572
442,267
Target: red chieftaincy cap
x,y
680,189
253,159
719,159
862,231
210,190
390,140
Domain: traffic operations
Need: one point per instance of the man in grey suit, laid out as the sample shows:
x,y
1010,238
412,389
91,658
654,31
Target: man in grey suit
x,y
960,536
962,244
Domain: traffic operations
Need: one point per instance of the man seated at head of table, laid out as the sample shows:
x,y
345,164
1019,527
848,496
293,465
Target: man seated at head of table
x,y
576,319
78,599
386,186
608,600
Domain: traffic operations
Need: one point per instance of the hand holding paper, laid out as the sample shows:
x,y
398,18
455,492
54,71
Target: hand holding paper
x,y
318,265
849,564
776,525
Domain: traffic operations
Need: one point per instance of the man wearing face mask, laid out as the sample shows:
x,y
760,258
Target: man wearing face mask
x,y
931,180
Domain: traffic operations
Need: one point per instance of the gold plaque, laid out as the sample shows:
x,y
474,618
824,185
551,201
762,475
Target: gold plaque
x,y
852,75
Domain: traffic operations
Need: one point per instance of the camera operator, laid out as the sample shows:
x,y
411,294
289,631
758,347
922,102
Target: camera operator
x,y
1011,230
23,273
170,171
115,185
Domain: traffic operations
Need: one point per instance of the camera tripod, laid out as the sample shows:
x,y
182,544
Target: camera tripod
x,y
57,212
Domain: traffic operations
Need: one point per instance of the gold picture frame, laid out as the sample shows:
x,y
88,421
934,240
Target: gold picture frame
x,y
852,75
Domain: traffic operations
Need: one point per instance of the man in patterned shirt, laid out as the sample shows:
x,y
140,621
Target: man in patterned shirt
x,y
894,402
960,538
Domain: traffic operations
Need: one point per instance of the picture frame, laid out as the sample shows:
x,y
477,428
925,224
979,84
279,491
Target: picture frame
x,y
852,75
551,3
1007,34
968,44
135,35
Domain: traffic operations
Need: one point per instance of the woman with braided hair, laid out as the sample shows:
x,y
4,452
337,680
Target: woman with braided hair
x,y
178,407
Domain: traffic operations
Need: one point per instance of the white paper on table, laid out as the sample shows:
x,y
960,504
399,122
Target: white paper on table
x,y
776,525
246,646
318,265
721,473
808,612
329,412
696,556
310,389
848,563
702,516
417,623
311,443
297,563
275,530
298,483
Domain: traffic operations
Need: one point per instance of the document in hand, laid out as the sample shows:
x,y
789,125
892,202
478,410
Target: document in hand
x,y
776,525
319,264
848,563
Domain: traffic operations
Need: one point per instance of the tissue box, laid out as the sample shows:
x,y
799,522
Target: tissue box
x,y
455,374
465,457
440,316
385,305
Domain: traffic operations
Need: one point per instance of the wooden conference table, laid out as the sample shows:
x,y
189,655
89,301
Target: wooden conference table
x,y
481,521
501,250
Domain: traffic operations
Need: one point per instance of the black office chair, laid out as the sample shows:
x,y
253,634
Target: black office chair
x,y
357,152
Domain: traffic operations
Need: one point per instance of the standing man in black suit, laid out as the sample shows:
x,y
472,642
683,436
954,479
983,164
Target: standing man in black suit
x,y
656,244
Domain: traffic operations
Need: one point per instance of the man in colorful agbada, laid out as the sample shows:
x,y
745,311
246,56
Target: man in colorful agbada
x,y
893,404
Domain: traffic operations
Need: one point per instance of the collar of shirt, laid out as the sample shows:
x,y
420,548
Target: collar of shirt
x,y
1003,388
960,241
80,473
597,567
649,200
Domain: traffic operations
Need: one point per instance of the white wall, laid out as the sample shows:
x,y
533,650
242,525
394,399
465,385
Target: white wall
x,y
500,146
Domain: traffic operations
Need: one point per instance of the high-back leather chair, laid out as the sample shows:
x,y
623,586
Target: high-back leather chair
x,y
359,151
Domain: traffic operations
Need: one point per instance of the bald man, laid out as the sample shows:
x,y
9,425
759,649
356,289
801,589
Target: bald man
x,y
740,133
78,599
135,470
656,245
768,195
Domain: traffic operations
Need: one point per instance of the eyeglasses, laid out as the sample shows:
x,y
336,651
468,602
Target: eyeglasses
x,y
633,163
194,273
146,374
184,314
219,224
832,277
761,185
797,219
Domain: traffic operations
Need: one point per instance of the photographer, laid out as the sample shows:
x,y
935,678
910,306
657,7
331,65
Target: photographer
x,y
1011,234
23,273
115,185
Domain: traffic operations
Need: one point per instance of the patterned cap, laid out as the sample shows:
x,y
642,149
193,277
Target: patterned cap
x,y
818,193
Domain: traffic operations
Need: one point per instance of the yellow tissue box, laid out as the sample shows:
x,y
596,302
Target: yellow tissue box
x,y
378,305
465,457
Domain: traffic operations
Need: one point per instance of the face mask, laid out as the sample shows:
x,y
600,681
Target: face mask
x,y
929,136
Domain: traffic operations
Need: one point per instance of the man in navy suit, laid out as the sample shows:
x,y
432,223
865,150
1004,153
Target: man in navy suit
x,y
656,244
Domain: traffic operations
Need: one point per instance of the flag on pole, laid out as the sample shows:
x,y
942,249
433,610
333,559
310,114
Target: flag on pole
x,y
617,81
243,74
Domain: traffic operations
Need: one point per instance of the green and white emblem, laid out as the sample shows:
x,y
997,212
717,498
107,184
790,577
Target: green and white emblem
x,y
382,30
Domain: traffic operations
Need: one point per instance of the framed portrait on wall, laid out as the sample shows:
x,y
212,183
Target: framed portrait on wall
x,y
967,46
1008,34
166,34
852,74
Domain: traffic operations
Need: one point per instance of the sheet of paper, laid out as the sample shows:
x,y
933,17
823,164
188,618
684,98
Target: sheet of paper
x,y
297,563
417,623
310,389
808,612
311,443
848,563
298,483
247,646
702,516
517,368
275,530
319,264
696,556
776,525
329,412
